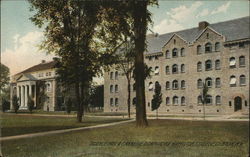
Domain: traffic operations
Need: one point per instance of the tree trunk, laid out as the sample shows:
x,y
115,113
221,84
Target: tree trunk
x,y
79,104
140,26
156,113
204,111
128,101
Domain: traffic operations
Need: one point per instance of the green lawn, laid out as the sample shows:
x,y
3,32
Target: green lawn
x,y
16,124
78,144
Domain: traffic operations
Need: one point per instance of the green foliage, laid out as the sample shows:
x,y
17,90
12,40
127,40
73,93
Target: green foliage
x,y
31,104
15,102
204,93
68,105
5,105
40,93
157,97
4,76
97,96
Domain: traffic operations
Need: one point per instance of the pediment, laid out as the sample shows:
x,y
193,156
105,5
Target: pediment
x,y
26,77
175,36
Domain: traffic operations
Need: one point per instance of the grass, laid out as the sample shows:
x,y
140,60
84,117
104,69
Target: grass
x,y
78,144
15,124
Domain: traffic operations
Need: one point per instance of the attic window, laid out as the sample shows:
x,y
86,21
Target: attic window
x,y
174,41
207,35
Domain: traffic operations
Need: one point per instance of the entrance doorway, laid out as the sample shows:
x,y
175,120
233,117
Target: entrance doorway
x,y
237,103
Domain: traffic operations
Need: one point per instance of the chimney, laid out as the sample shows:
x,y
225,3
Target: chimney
x,y
203,25
43,61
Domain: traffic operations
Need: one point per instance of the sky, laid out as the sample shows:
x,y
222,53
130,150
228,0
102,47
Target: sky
x,y
20,37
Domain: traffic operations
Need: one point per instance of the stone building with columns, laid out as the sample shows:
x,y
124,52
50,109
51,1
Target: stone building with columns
x,y
37,82
182,61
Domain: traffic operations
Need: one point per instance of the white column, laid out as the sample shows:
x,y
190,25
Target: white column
x,y
35,95
26,96
11,95
22,96
30,90
17,92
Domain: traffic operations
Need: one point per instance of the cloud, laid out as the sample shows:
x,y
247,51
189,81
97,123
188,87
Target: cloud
x,y
221,9
24,53
204,12
176,18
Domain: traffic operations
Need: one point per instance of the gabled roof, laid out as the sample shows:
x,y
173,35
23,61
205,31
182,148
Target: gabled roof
x,y
39,67
25,77
232,30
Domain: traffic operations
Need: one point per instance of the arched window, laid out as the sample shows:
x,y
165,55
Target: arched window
x,y
209,82
157,83
116,88
150,86
183,68
134,101
199,49
217,64
199,66
242,61
175,100
167,70
134,87
167,54
116,75
242,80
175,84
232,62
199,99
217,83
167,85
111,102
111,89
48,86
157,70
167,100
182,52
232,81
218,100
183,84
111,75
183,100
116,102
175,69
217,46
199,83
208,65
175,52
209,100
208,48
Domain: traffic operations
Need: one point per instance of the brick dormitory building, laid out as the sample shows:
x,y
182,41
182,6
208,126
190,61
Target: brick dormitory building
x,y
217,54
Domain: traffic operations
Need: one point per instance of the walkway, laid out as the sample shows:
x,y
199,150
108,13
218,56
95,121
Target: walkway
x,y
62,131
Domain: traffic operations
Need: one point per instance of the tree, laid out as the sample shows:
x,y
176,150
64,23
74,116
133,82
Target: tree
x,y
4,76
157,98
15,102
68,105
31,104
97,96
204,94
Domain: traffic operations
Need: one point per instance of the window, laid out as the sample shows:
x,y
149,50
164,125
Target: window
x,y
208,65
174,41
111,75
241,45
232,62
150,86
242,61
111,102
199,49
199,100
217,83
156,58
199,83
217,64
116,88
47,74
175,69
175,100
116,75
174,53
199,66
116,101
111,89
40,75
218,100
182,52
207,35
167,100
134,101
183,100
209,82
242,80
183,68
183,84
150,58
167,54
167,70
134,87
217,46
167,85
245,103
156,70
230,103
209,100
208,48
175,84
48,86
232,81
